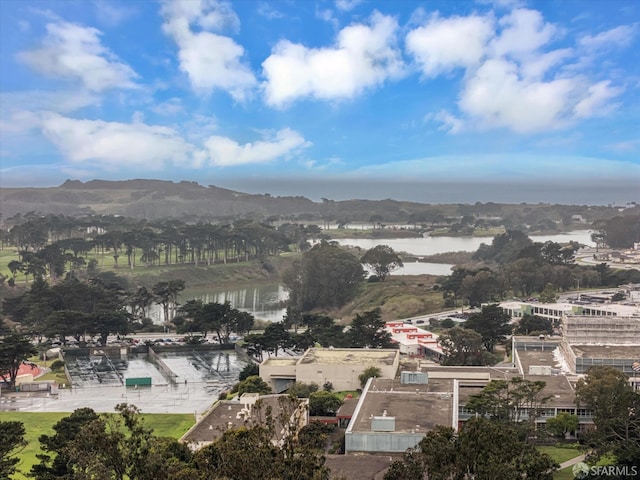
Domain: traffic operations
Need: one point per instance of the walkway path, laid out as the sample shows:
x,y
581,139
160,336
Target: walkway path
x,y
573,461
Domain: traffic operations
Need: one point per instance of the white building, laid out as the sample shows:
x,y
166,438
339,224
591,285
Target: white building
x,y
414,341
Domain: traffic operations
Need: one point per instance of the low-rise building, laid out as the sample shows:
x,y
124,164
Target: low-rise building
x,y
289,415
414,341
339,366
555,311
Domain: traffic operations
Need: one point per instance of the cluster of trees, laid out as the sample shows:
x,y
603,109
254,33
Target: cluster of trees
x,y
328,276
474,341
615,407
87,445
52,245
70,308
481,449
14,349
104,305
321,402
366,330
617,232
219,318
514,265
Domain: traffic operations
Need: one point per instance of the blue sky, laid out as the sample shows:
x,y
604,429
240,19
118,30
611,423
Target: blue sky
x,y
504,100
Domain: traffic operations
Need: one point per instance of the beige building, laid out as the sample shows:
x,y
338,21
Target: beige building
x,y
289,415
339,366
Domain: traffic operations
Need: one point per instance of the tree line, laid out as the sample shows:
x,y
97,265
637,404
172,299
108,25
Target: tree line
x,y
87,445
94,309
52,245
366,330
514,265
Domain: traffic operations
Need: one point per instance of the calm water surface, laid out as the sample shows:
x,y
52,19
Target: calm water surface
x,y
264,301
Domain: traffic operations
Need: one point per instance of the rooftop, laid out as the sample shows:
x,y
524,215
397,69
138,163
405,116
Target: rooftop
x,y
530,358
416,408
363,467
229,414
557,387
281,361
349,356
629,352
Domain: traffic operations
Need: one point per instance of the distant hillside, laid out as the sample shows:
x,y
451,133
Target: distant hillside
x,y
189,201
150,199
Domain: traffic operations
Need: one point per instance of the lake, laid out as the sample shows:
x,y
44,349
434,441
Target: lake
x,y
431,245
264,301
422,247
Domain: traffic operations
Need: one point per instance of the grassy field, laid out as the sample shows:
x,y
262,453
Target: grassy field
x,y
561,455
564,474
36,424
397,297
229,274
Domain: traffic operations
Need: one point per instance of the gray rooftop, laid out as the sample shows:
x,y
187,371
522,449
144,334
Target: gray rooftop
x,y
416,408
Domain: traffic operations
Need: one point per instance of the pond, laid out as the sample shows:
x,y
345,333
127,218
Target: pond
x,y
265,301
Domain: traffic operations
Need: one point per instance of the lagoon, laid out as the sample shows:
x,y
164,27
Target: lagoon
x,y
265,301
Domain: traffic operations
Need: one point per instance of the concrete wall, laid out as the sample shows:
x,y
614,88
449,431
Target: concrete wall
x,y
342,377
272,373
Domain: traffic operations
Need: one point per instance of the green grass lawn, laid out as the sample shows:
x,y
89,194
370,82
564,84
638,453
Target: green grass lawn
x,y
564,474
560,454
39,423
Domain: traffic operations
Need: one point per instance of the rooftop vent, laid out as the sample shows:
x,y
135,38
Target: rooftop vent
x,y
414,378
383,424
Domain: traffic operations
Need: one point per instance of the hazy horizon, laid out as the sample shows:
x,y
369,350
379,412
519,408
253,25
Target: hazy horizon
x,y
602,193
485,100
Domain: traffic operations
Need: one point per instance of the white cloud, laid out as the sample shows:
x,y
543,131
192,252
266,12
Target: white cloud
x,y
57,101
170,107
364,57
75,52
211,61
523,32
268,11
112,14
512,79
223,151
596,100
115,145
347,5
620,36
497,97
326,15
110,145
449,122
538,65
625,146
446,43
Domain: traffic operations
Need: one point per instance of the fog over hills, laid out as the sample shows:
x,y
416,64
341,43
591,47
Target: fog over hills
x,y
187,200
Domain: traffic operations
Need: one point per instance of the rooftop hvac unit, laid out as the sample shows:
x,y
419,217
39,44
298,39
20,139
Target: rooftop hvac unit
x,y
414,378
383,424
